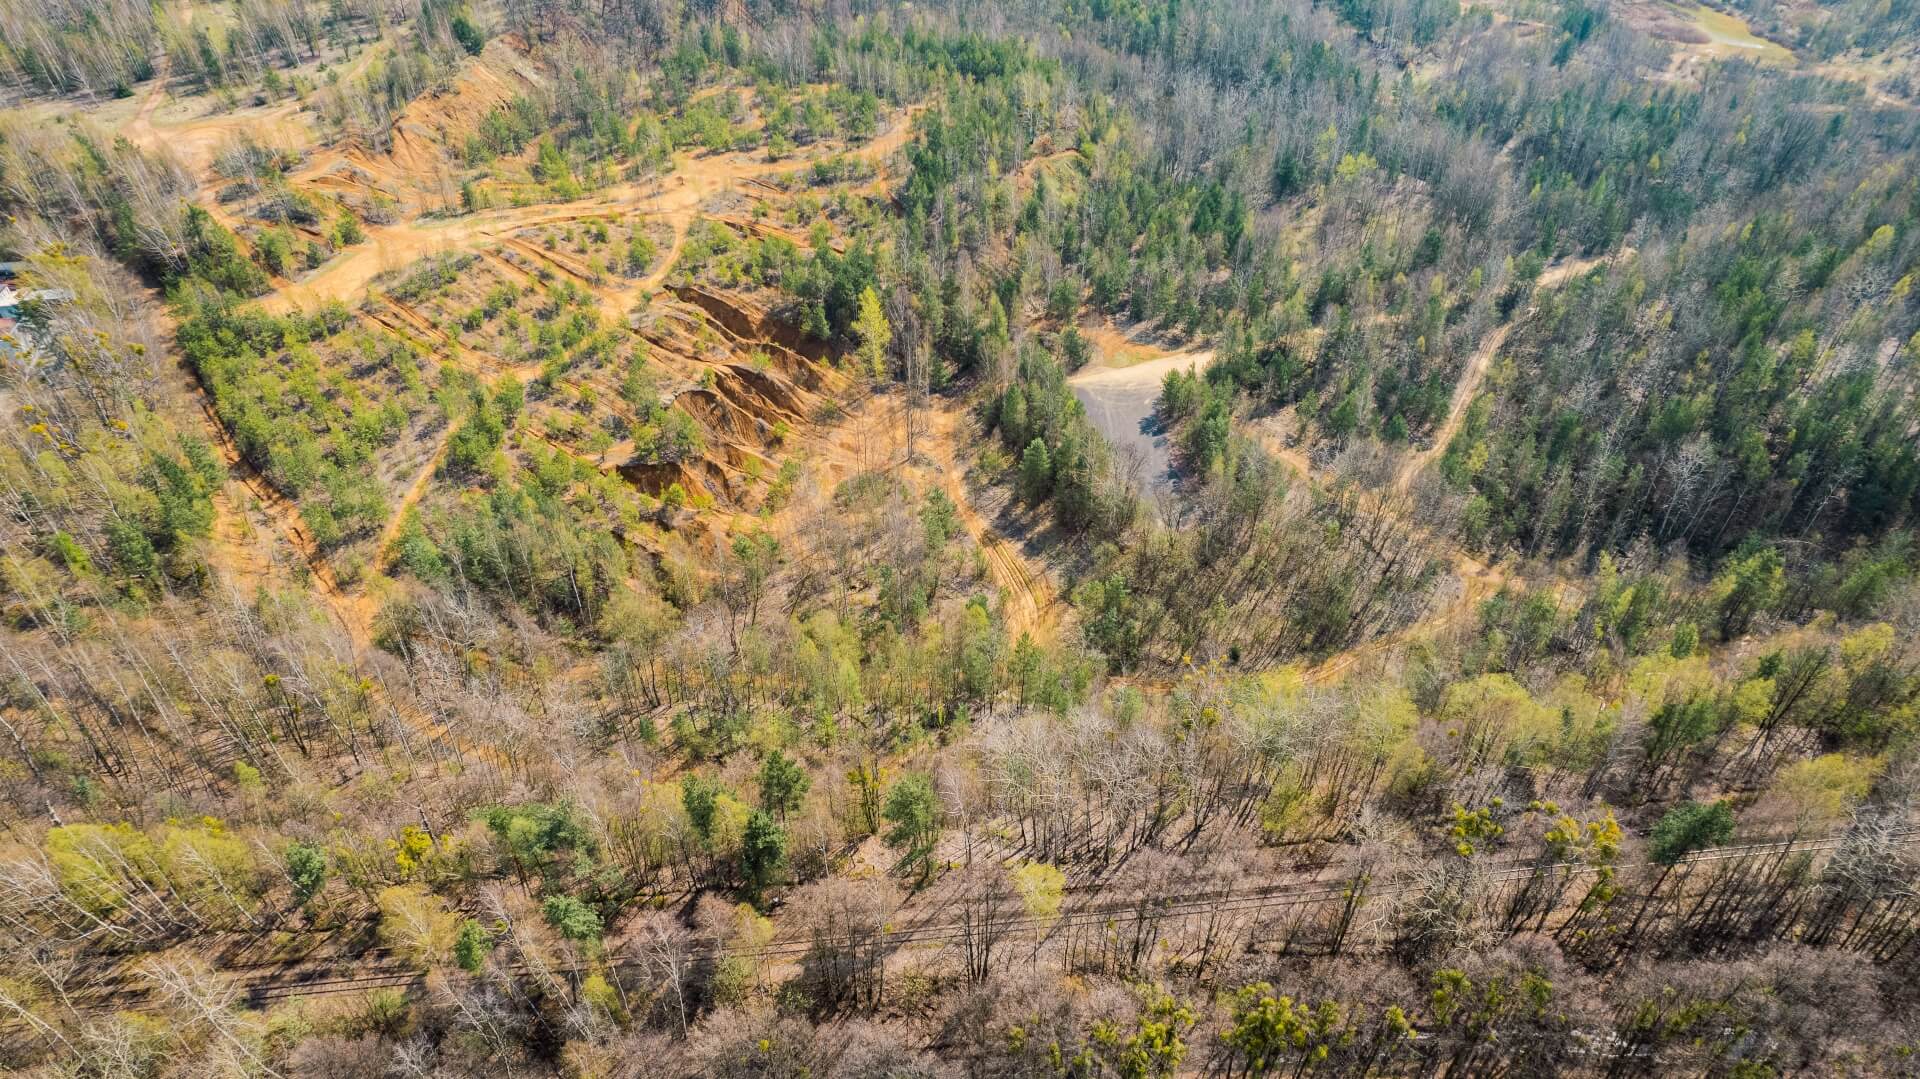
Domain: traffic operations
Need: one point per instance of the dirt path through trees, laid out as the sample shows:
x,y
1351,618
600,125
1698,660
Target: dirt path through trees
x,y
676,198
1032,603
1464,391
1478,579
1474,375
194,143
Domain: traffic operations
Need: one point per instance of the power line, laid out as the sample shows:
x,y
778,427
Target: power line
x,y
1252,900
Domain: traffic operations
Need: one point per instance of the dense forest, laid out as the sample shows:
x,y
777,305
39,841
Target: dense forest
x,y
622,538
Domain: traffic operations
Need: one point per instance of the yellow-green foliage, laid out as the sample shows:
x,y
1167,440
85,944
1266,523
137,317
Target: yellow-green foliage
x,y
419,855
1474,830
1594,842
387,1012
411,849
209,866
1582,725
653,828
1562,729
828,660
730,816
1381,724
598,993
1268,1029
1752,701
1288,804
1659,678
101,867
1865,647
98,863
1041,888
1826,788
1493,717
416,923
746,933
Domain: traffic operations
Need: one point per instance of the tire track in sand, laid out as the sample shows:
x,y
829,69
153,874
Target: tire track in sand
x,y
1030,603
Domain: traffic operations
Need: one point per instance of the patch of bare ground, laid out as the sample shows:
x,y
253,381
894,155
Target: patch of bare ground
x,y
1116,344
1031,603
676,198
873,437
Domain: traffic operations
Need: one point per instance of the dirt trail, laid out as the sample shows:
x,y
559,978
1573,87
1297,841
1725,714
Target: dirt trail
x,y
410,498
244,568
1478,579
1117,346
194,142
676,199
245,556
1464,391
243,553
139,130
1475,373
277,507
872,437
1032,604
1270,441
392,247
1118,397
755,229
682,224
617,302
1028,172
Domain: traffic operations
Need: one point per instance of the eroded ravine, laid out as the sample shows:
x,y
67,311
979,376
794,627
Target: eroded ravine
x,y
1031,604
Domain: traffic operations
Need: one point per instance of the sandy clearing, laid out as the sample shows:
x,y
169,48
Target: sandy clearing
x,y
1121,403
676,199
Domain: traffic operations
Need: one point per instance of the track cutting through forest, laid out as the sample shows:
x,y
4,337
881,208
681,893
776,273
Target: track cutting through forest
x,y
1198,898
676,198
1479,579
1032,603
195,142
1474,374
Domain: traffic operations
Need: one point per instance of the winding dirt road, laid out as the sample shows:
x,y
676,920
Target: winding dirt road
x,y
1474,375
1478,578
1030,603
676,199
